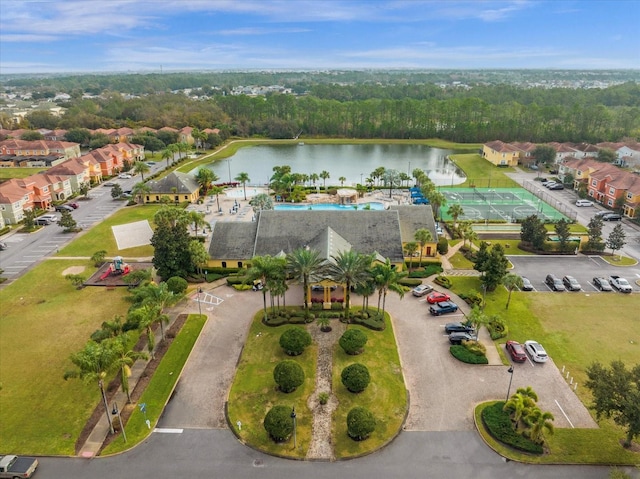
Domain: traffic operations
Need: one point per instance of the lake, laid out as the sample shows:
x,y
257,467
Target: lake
x,y
354,162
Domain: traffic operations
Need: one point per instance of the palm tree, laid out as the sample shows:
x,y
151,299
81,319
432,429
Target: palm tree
x,y
324,174
125,358
216,190
342,179
306,265
528,392
410,249
205,178
467,232
159,296
455,211
314,177
391,178
167,154
422,236
141,167
437,200
197,219
538,423
94,363
146,316
519,406
139,190
264,268
351,269
511,281
261,202
386,278
244,179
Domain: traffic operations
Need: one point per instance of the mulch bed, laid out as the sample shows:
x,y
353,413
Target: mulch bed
x,y
113,387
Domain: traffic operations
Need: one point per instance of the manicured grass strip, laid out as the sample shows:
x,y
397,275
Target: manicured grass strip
x,y
44,320
482,173
510,246
8,173
161,385
254,391
385,397
620,260
458,261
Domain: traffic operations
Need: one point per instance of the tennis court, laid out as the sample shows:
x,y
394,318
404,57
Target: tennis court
x,y
508,204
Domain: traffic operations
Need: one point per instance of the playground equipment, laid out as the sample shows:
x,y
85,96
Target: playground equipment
x,y
117,267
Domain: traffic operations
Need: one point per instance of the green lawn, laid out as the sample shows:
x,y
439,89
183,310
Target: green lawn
x,y
458,261
482,173
8,173
619,260
510,246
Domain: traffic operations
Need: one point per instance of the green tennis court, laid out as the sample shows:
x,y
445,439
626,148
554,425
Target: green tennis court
x,y
508,204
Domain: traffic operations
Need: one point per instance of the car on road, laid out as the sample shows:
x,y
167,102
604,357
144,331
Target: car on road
x,y
437,297
516,351
556,186
62,208
443,308
548,183
620,284
421,290
457,338
74,205
3,246
50,217
42,221
602,284
571,283
554,283
109,184
125,176
584,203
526,284
602,213
457,327
536,351
612,217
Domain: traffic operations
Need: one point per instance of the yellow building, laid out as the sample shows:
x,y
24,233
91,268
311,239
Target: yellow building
x,y
176,187
500,153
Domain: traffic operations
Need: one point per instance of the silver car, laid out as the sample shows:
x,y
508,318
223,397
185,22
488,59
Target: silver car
x,y
536,351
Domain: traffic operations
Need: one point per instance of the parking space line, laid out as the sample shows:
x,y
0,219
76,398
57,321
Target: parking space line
x,y
564,414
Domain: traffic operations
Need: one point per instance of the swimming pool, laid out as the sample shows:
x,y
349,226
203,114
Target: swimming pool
x,y
330,207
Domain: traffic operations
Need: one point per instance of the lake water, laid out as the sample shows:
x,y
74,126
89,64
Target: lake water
x,y
353,162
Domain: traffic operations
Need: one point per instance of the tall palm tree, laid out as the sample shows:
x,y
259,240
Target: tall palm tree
x,y
387,278
455,211
94,363
126,356
141,167
422,236
146,316
511,281
160,296
205,178
139,190
167,154
244,179
365,290
324,174
538,423
306,265
197,219
410,249
351,269
264,268
314,177
216,190
342,179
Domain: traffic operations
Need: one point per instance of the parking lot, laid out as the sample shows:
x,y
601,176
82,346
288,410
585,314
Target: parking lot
x,y
583,268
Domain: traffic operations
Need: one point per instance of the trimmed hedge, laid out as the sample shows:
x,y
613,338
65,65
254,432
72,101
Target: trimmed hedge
x,y
288,375
410,282
499,425
279,423
360,423
355,377
443,281
294,341
498,329
352,341
461,353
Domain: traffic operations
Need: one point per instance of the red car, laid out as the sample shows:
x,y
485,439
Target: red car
x,y
516,350
437,297
75,206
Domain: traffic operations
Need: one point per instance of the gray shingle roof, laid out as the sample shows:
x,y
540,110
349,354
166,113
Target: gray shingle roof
x,y
233,240
184,184
414,217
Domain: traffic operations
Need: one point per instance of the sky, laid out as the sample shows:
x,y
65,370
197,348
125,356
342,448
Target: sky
x,y
54,36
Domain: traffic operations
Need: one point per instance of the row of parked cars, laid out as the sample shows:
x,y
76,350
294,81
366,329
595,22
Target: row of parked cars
x,y
569,283
518,352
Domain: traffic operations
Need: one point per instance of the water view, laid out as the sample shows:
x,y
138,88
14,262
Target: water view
x,y
330,207
353,162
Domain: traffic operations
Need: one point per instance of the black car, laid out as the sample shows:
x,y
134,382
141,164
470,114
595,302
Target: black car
x,y
443,307
602,284
526,284
554,283
612,217
62,208
557,186
457,328
457,338
571,283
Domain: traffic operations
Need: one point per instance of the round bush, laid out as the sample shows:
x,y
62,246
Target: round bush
x,y
177,285
353,341
279,423
294,341
355,377
360,423
288,375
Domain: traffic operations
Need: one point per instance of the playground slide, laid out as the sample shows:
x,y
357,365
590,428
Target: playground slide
x,y
105,274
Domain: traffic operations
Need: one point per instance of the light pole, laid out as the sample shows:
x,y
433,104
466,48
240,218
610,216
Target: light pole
x,y
361,177
293,416
199,306
229,168
510,371
116,411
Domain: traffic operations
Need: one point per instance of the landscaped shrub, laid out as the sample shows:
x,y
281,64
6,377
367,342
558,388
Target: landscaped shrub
x,y
177,285
288,375
472,298
497,328
475,347
360,423
443,245
442,281
431,268
232,280
353,341
410,282
294,341
499,425
461,353
370,321
355,377
279,423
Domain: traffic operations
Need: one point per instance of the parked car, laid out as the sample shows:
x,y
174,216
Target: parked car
x,y
62,208
612,217
620,284
150,163
125,176
556,186
571,283
584,203
526,284
109,184
421,290
602,284
3,246
457,327
536,351
42,221
50,217
437,297
457,338
17,467
603,213
516,351
443,308
548,183
74,205
554,283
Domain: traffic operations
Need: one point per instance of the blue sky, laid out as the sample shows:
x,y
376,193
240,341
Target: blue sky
x,y
131,35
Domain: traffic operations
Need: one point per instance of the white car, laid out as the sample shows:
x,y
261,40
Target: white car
x,y
51,218
584,203
536,351
125,176
421,290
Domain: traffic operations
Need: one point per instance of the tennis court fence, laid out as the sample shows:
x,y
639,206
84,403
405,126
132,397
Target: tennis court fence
x,y
537,189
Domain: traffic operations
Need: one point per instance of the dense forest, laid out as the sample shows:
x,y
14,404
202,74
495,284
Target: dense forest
x,y
399,109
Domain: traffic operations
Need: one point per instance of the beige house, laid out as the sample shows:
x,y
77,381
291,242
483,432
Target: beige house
x,y
176,187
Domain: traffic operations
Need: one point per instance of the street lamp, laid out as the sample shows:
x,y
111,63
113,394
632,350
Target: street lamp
x,y
510,371
361,177
229,168
293,416
199,306
116,411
